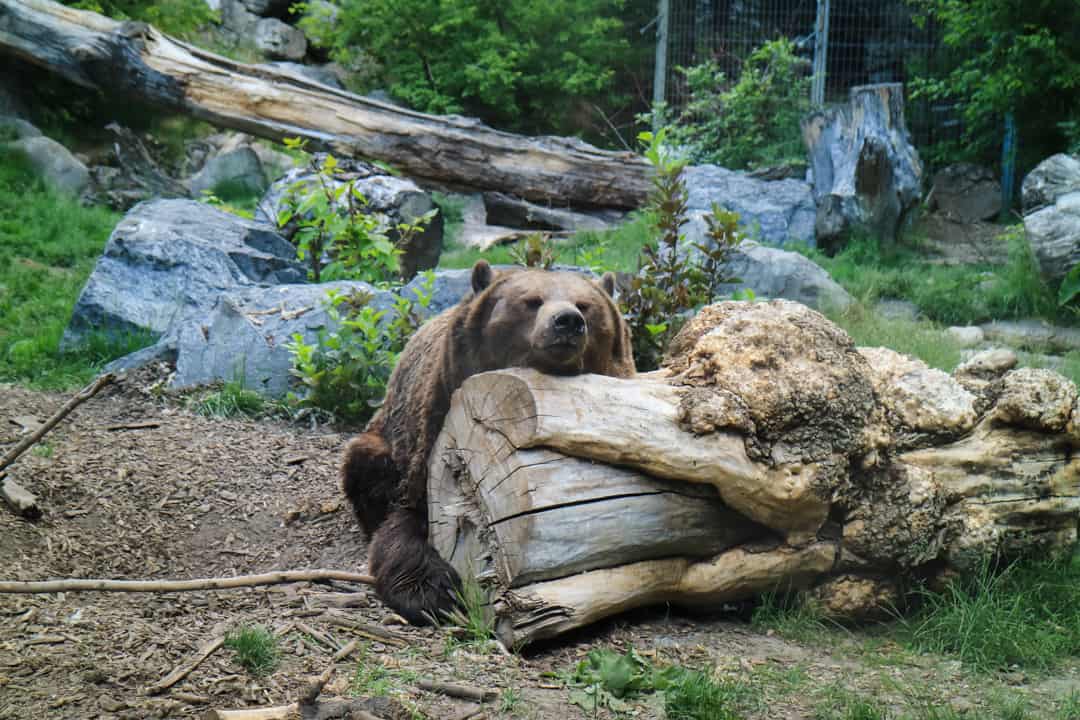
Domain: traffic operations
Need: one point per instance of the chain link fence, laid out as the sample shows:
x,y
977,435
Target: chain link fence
x,y
861,41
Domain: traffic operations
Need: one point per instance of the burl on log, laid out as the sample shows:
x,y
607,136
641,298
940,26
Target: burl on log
x,y
770,453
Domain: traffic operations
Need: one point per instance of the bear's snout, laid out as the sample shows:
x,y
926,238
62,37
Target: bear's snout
x,y
569,322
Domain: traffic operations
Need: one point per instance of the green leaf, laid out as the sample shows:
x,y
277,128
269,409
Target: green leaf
x,y
1070,286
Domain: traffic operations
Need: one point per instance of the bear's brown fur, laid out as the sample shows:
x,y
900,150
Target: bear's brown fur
x,y
555,322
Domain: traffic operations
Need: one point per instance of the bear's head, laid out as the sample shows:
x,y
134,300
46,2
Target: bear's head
x,y
556,322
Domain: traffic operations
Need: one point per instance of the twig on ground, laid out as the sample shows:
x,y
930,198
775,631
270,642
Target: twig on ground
x,y
372,632
278,712
464,692
82,396
183,671
147,425
274,578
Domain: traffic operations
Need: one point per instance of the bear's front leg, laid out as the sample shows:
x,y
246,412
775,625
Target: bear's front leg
x,y
410,576
370,479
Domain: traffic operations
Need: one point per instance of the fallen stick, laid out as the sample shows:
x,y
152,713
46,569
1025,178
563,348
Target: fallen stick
x,y
278,712
147,425
371,632
82,396
464,692
349,649
183,671
21,500
274,578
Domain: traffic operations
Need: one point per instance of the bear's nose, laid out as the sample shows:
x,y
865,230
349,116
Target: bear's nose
x,y
569,322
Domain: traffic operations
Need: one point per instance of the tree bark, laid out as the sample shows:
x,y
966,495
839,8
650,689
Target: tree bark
x,y
136,60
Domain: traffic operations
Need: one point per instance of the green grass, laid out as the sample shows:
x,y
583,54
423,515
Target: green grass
x,y
474,616
696,696
373,679
231,400
920,338
48,247
255,648
790,615
953,295
1027,615
615,250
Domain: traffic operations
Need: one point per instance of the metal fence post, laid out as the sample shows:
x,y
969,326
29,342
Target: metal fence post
x,y
660,68
821,48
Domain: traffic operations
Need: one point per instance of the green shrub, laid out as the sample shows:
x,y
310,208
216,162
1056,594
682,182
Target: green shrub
x,y
1006,56
333,220
346,370
517,64
672,279
181,18
611,680
753,122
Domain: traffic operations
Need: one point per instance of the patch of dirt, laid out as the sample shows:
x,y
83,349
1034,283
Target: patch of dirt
x,y
135,486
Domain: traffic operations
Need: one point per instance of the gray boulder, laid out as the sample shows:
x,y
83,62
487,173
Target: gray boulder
x,y
54,163
398,199
279,40
236,18
1052,193
246,335
774,273
865,171
778,212
240,169
171,259
15,128
1057,175
966,192
322,74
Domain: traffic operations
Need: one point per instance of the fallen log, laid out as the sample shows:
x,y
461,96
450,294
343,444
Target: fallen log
x,y
771,454
136,60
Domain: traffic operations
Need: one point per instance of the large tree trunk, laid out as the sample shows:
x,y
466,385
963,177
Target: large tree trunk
x,y
772,455
138,61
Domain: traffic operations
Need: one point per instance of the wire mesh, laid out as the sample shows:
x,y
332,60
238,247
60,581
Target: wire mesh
x,y
869,41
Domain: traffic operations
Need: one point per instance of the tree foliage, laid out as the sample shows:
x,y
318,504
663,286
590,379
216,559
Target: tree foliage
x,y
752,122
1018,56
519,64
181,18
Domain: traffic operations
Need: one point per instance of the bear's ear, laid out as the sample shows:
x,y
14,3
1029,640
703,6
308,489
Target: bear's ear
x,y
482,275
607,283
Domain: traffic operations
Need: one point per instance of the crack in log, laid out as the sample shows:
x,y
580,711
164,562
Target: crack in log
x,y
589,501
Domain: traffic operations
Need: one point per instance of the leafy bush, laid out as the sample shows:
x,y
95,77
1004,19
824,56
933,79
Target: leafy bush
x,y
1006,56
181,18
529,66
346,370
333,221
609,679
672,279
753,122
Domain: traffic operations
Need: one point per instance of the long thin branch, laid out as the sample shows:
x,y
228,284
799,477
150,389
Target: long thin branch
x,y
274,578
85,394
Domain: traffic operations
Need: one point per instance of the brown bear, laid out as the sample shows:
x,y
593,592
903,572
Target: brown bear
x,y
555,322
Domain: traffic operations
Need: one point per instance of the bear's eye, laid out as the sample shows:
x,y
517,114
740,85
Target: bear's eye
x,y
583,307
533,303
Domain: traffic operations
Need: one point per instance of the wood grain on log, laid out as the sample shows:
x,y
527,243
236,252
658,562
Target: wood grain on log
x,y
546,609
138,61
626,423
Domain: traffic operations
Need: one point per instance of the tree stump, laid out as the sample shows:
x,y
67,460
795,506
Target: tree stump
x,y
770,454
